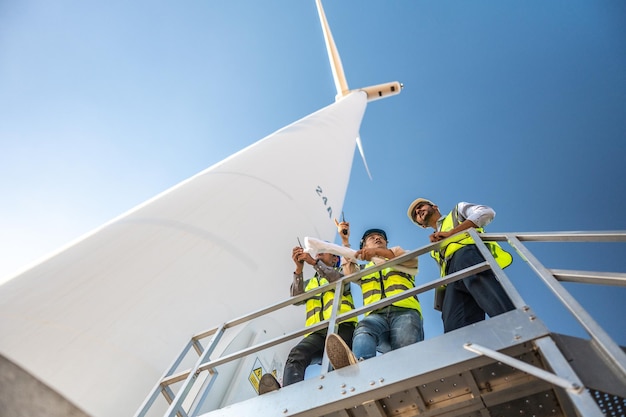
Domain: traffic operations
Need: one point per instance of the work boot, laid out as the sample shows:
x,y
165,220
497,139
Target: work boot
x,y
268,384
339,354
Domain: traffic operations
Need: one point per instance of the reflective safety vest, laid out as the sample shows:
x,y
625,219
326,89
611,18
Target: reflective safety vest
x,y
319,307
386,283
442,256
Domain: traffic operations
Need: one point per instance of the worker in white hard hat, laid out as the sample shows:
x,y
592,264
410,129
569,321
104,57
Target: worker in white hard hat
x,y
466,301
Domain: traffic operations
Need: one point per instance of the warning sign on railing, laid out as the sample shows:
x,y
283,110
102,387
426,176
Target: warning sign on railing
x,y
256,373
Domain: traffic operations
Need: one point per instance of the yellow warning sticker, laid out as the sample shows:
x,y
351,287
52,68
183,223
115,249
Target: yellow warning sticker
x,y
256,373
254,381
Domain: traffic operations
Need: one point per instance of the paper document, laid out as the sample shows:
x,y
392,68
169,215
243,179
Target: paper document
x,y
315,246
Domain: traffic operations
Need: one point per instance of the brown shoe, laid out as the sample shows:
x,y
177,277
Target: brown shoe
x,y
268,384
339,354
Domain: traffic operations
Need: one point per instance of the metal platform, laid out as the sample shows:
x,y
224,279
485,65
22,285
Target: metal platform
x,y
439,377
508,365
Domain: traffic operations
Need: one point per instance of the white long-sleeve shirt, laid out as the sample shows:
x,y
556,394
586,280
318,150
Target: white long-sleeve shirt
x,y
480,215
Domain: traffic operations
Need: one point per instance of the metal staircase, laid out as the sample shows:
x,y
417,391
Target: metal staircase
x,y
509,365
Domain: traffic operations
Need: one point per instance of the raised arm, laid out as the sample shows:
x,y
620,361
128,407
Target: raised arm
x,y
297,285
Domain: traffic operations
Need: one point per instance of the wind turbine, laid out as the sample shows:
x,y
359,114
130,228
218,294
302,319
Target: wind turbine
x,y
91,328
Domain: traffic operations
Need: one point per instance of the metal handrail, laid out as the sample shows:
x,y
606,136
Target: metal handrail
x,y
600,338
188,375
549,277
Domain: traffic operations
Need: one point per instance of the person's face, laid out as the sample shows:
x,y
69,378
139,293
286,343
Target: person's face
x,y
375,240
328,258
423,214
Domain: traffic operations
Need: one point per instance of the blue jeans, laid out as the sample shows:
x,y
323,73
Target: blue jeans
x,y
394,325
467,300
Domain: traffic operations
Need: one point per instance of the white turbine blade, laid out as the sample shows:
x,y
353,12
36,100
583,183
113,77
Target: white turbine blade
x,y
100,320
360,145
341,84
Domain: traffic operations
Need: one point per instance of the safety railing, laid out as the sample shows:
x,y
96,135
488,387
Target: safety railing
x,y
551,278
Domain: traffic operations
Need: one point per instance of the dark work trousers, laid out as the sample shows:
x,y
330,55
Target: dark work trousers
x,y
467,300
309,349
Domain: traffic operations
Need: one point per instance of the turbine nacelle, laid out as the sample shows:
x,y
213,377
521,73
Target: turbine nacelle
x,y
376,92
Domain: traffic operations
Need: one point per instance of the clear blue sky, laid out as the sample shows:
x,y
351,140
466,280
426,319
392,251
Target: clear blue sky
x,y
517,105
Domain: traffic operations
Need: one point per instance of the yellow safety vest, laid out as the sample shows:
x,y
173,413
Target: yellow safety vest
x,y
442,256
319,307
386,283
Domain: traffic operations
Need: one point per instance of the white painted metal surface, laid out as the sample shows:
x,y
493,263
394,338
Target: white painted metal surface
x,y
87,320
